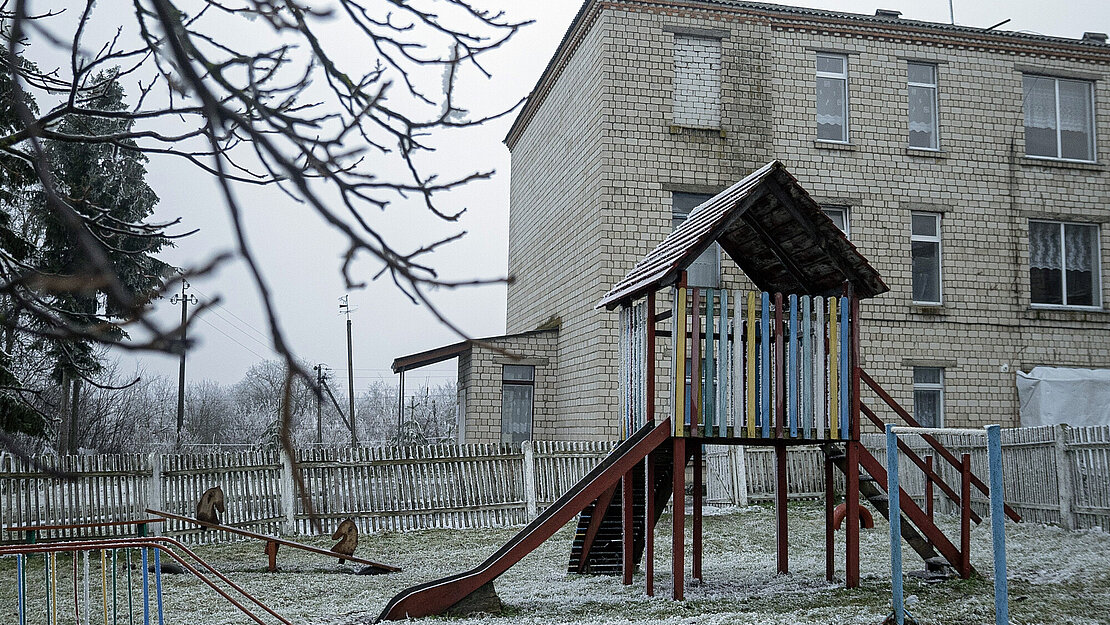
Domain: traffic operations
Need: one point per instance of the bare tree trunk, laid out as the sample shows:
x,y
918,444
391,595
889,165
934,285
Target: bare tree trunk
x,y
74,415
63,417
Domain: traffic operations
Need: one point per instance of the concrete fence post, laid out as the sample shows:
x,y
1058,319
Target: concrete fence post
x,y
739,475
154,491
1064,478
529,481
287,488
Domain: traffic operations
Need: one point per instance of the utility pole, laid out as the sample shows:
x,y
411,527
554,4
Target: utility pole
x,y
321,376
345,308
184,300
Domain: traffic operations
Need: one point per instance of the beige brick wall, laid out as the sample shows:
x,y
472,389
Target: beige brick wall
x,y
595,168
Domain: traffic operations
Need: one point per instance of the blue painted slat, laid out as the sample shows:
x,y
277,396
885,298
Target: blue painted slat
x,y
807,364
158,585
792,367
845,369
20,601
146,590
998,525
765,363
722,367
708,371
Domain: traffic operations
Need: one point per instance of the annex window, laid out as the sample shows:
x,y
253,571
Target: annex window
x,y
517,394
832,97
922,86
1059,118
839,216
1064,264
705,272
925,252
697,81
928,396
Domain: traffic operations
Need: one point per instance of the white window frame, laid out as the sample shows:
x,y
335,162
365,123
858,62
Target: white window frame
x,y
936,108
1097,247
677,215
847,218
930,386
531,383
914,238
847,107
1059,142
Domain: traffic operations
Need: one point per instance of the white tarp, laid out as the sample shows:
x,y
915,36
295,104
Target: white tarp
x,y
1052,395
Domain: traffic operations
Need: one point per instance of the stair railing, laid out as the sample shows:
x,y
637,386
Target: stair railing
x,y
940,449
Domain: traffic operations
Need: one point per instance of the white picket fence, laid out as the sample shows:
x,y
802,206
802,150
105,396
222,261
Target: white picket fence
x,y
1053,474
394,488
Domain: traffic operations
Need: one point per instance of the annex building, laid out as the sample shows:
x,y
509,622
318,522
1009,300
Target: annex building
x,y
968,165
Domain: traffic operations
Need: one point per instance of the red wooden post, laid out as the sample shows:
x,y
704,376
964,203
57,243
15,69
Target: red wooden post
x,y
628,533
649,522
678,532
780,508
695,563
929,487
965,516
830,541
851,490
695,359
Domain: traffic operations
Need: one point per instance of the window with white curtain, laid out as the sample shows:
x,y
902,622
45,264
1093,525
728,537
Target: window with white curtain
x,y
1064,264
922,88
832,97
1059,118
928,396
517,394
925,257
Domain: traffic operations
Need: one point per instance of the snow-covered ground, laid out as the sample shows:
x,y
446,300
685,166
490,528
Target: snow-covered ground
x,y
1055,577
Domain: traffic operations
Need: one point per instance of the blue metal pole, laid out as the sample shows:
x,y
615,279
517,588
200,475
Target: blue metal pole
x,y
20,600
146,590
158,584
998,525
895,517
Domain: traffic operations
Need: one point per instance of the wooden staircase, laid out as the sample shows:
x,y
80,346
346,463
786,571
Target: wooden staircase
x,y
597,547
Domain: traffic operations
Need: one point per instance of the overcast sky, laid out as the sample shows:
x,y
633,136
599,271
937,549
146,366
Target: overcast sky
x,y
301,257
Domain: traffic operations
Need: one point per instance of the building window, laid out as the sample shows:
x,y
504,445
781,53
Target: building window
x,y
1059,118
832,97
839,216
922,84
705,272
928,396
517,393
697,81
925,251
1064,264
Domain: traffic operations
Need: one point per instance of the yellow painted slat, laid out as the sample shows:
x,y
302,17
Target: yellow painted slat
x,y
834,368
750,377
680,364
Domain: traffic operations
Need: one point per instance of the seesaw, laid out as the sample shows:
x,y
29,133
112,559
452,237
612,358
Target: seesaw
x,y
273,542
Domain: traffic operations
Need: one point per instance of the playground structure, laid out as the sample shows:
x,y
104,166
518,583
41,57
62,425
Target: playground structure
x,y
105,589
777,367
273,542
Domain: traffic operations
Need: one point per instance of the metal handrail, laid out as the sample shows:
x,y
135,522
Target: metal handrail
x,y
157,544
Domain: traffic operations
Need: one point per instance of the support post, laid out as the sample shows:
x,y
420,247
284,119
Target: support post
x,y
154,488
649,363
851,489
781,497
830,503
649,519
678,531
530,506
289,523
965,516
998,525
1064,479
698,502
627,531
893,505
929,487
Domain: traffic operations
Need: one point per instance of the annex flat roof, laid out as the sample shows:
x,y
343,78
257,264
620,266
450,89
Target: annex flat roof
x,y
447,352
774,231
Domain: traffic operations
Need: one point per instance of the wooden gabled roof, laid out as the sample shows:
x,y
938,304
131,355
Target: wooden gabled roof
x,y
772,229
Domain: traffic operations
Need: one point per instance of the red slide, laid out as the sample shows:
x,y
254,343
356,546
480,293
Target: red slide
x,y
437,596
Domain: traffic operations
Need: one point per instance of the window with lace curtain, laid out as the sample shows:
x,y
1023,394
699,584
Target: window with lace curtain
x,y
832,97
922,91
1059,118
1064,264
517,393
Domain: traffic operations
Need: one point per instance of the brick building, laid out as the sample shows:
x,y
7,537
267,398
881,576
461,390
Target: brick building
x,y
964,163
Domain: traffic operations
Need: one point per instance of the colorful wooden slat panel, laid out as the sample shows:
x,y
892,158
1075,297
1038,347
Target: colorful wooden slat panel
x,y
792,366
845,369
749,378
834,371
709,368
679,326
722,365
695,362
820,405
765,364
807,365
739,407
